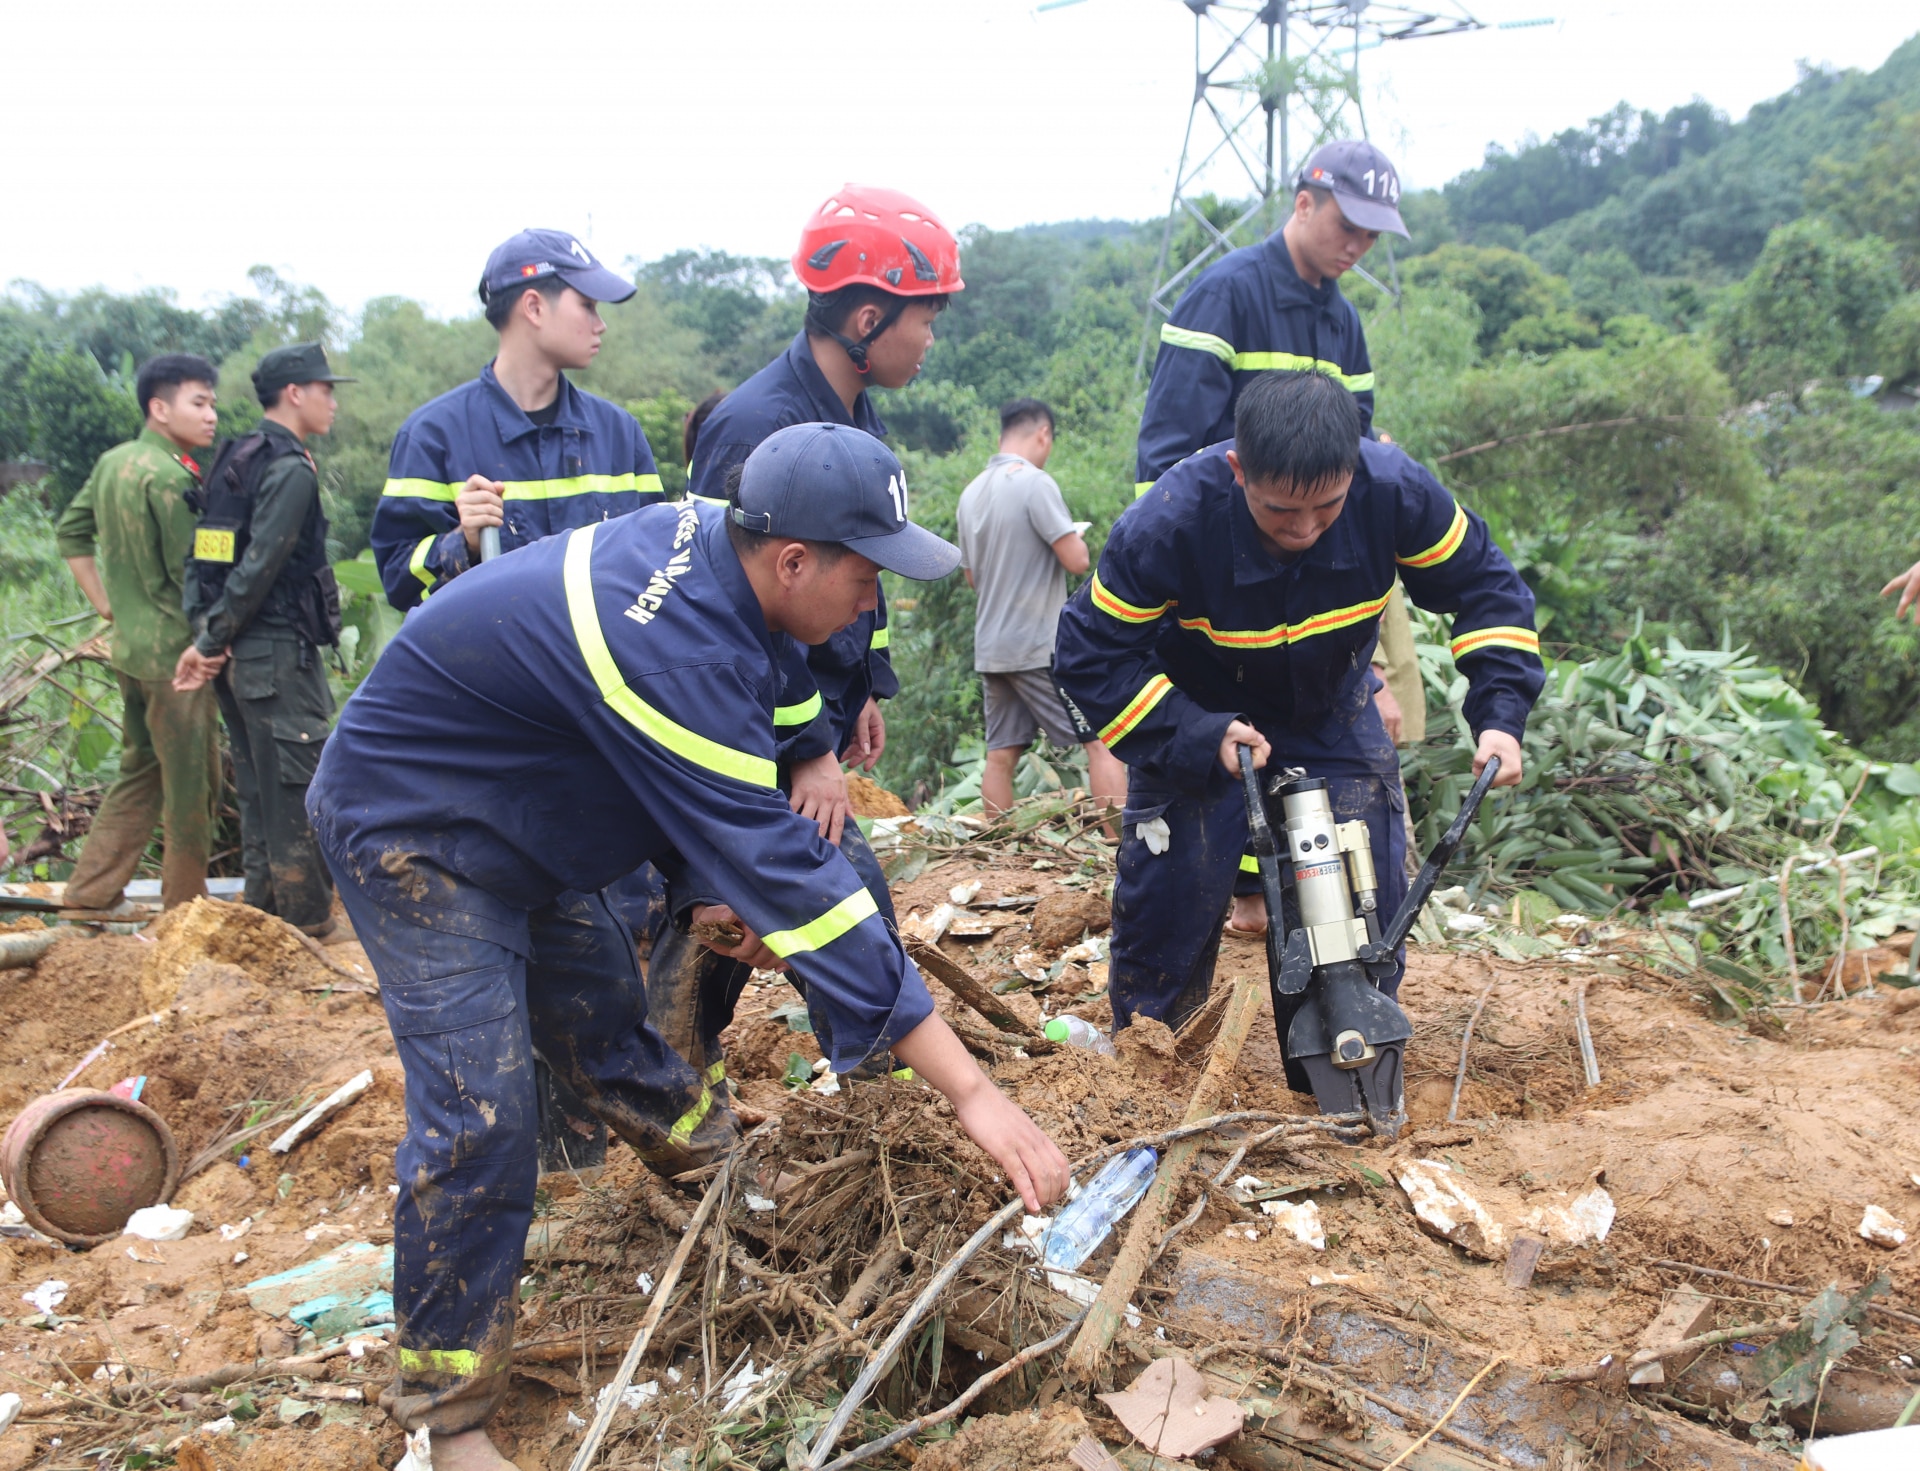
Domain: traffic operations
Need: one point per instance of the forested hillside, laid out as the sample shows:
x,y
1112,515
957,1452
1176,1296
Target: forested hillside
x,y
1659,353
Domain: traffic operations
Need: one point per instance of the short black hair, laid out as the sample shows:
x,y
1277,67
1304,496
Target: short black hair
x,y
1021,412
829,311
696,419
747,541
161,377
1302,429
499,305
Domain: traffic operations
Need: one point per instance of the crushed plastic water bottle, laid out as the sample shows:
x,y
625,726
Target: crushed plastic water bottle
x,y
1076,1031
1088,1219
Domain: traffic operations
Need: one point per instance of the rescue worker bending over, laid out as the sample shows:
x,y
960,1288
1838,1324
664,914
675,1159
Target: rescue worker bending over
x,y
1236,604
878,268
519,447
545,724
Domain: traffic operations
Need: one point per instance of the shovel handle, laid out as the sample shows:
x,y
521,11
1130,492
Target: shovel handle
x,y
489,543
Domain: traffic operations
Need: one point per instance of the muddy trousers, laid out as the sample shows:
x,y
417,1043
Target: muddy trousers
x,y
693,990
468,1016
278,709
1168,906
169,772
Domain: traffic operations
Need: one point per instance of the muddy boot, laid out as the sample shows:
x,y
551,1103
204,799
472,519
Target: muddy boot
x,y
689,1144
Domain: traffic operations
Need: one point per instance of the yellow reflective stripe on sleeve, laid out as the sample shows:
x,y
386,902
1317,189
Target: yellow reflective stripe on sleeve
x,y
425,490
1434,555
1249,864
1523,639
1151,694
684,1126
882,637
577,577
462,1361
1293,362
817,934
417,563
530,490
650,484
798,714
1198,341
1273,638
716,1072
1120,608
1141,487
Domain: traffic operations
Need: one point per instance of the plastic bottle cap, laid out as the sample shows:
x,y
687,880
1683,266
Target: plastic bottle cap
x,y
1057,1029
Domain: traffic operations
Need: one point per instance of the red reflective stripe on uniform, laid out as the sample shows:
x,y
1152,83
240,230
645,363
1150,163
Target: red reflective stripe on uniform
x,y
1523,639
1270,638
1151,694
1120,608
1434,555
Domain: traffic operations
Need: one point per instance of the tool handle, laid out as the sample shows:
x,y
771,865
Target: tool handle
x,y
1421,889
489,543
1267,852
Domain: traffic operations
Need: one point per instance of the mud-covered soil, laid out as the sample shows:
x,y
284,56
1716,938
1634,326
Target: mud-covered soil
x,y
1710,1136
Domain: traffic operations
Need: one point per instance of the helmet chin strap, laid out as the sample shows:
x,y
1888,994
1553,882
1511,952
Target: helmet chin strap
x,y
857,351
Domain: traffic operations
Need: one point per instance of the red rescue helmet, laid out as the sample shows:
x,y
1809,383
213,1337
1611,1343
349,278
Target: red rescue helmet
x,y
877,237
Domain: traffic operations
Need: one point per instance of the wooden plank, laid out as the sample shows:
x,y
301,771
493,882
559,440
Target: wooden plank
x,y
1683,1314
970,989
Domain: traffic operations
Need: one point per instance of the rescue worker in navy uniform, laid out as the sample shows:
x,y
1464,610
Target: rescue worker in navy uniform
x,y
545,724
878,268
1236,603
262,603
1277,306
519,447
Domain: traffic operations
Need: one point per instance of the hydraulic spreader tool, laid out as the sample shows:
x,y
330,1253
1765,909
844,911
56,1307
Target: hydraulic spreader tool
x,y
1343,1038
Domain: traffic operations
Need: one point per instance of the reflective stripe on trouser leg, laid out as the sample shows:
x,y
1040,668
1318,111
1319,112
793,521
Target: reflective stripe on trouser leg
x,y
466,1167
590,1022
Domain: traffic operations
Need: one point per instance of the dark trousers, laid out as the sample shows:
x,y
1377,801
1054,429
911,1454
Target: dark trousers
x,y
1168,907
693,990
169,772
468,1017
274,697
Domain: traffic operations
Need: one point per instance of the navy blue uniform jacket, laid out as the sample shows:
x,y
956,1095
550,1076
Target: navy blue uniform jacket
x,y
590,463
1189,622
1249,313
597,701
854,664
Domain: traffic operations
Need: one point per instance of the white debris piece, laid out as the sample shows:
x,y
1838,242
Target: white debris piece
x,y
1030,964
1085,953
419,1456
1466,924
1028,1235
9,1410
1449,1210
759,1203
1881,1228
1585,1220
739,1387
332,1103
224,1426
1247,1184
239,1257
963,893
1781,1217
929,929
1073,1286
234,1233
47,1296
158,1223
1300,1219
574,1422
632,1397
645,1283
1156,835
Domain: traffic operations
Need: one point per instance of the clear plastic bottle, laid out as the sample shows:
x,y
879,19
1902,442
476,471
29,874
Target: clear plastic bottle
x,y
1077,1032
1085,1221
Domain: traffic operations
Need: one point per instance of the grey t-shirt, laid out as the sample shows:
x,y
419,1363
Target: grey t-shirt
x,y
1010,517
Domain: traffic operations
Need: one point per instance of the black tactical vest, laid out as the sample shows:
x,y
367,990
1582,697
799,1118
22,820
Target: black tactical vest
x,y
304,595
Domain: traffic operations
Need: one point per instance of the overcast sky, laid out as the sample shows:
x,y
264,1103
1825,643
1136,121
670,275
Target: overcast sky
x,y
382,147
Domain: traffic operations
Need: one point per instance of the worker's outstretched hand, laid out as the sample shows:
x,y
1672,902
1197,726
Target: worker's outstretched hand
x,y
820,792
869,737
1499,743
1909,584
1241,734
480,505
751,950
1033,1162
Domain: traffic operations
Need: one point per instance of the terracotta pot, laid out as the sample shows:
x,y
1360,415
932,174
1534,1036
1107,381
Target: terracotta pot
x,y
79,1162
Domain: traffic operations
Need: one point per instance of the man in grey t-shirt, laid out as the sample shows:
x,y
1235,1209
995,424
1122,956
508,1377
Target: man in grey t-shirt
x,y
1017,544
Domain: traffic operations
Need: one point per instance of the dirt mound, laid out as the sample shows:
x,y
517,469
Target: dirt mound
x,y
271,951
1060,919
338,1447
1027,1441
870,799
54,1012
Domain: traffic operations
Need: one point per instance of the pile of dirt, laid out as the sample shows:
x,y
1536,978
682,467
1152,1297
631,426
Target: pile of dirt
x,y
870,799
271,951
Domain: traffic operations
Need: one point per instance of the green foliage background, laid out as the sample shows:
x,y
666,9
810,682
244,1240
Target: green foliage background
x,y
1644,349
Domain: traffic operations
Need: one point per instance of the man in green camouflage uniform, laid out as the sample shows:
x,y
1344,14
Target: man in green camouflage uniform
x,y
254,638
126,537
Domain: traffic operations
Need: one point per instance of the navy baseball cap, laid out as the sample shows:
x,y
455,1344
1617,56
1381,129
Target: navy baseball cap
x,y
835,483
532,254
1360,178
